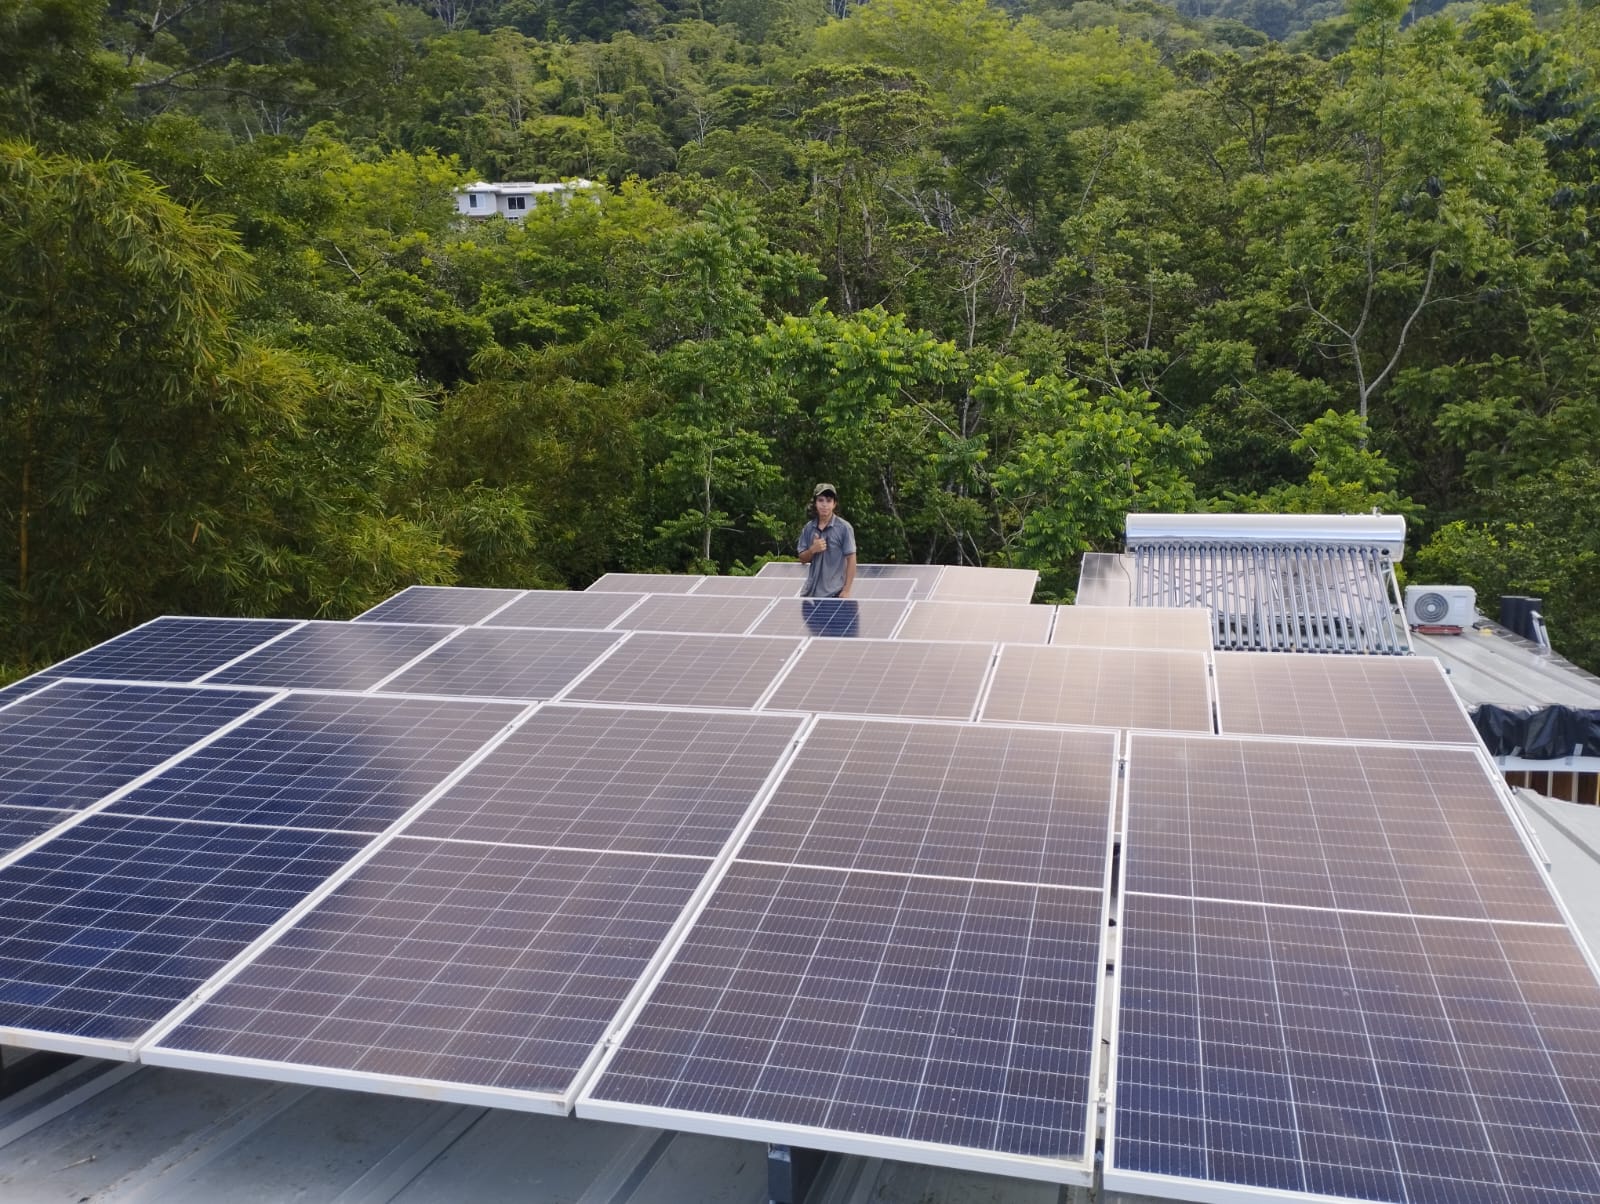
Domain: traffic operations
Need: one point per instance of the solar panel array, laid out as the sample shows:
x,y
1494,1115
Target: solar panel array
x,y
483,954
1343,977
905,956
700,853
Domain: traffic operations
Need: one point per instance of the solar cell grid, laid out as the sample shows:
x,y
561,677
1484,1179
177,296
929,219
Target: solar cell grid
x,y
506,662
76,742
687,670
1134,627
936,681
947,1014
114,922
1343,697
616,780
646,583
333,656
884,589
748,587
996,803
839,618
171,648
19,825
460,965
975,583
990,623
1098,687
695,613
1351,1055
872,580
1417,830
451,604
564,608
341,762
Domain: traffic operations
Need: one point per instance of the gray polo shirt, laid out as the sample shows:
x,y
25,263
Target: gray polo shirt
x,y
825,573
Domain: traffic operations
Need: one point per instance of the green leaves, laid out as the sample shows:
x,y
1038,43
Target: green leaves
x,y
1069,487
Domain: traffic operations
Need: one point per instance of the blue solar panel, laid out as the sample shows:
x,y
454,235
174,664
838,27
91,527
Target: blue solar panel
x,y
19,825
333,656
1353,1055
504,662
1342,975
460,965
999,803
938,1014
905,957
618,780
837,617
552,608
74,743
111,924
1370,828
455,605
324,761
172,649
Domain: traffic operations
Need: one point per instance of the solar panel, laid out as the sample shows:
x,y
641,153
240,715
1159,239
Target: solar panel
x,y
989,622
564,608
687,670
450,604
74,743
112,923
172,649
748,587
1008,804
1342,975
692,612
843,618
1134,627
19,825
333,656
1413,830
885,677
1098,687
1105,579
871,578
504,662
923,577
939,1020
449,970
348,763
1349,697
646,583
1351,1055
975,583
883,588
615,780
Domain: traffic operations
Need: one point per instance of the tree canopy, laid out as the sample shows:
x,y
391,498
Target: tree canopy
x,y
1002,272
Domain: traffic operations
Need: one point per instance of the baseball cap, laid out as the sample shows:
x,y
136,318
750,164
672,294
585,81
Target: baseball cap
x,y
823,488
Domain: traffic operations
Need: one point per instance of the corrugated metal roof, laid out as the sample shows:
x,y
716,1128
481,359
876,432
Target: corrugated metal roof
x,y
1489,664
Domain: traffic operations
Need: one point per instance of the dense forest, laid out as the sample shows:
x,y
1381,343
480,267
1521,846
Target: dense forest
x,y
1003,272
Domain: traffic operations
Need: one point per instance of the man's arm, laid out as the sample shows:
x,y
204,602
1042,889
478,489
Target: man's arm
x,y
807,549
849,574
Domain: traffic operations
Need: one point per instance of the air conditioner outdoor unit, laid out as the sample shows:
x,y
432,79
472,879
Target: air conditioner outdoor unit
x,y
1440,605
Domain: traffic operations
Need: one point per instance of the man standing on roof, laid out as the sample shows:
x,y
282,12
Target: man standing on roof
x,y
827,548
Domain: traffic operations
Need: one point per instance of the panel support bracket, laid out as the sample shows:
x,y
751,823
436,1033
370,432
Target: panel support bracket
x,y
790,1173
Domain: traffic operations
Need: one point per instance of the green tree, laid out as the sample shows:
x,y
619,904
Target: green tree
x,y
56,83
1068,486
1544,540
